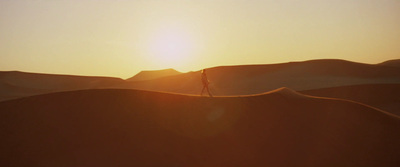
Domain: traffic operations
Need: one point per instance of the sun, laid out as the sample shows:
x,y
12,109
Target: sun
x,y
171,48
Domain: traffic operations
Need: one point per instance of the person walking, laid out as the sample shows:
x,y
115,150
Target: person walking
x,y
205,82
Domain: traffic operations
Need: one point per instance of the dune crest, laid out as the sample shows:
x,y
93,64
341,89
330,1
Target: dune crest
x,y
382,96
392,63
286,92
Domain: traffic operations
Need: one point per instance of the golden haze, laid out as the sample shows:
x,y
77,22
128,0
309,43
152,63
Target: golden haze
x,y
120,38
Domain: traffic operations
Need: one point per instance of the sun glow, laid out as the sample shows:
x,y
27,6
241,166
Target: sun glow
x,y
171,48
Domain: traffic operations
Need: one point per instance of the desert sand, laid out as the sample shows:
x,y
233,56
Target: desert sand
x,y
116,127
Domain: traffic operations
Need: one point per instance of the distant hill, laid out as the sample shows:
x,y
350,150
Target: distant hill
x,y
224,80
254,79
15,84
147,75
393,63
382,96
124,128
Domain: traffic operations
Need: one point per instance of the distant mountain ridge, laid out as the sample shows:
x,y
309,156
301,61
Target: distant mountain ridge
x,y
148,75
224,80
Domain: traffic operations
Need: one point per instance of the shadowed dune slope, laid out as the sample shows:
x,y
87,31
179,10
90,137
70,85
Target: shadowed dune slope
x,y
382,96
15,84
8,91
139,128
254,79
393,63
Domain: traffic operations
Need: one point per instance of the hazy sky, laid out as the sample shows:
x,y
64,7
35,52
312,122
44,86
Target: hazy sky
x,y
119,38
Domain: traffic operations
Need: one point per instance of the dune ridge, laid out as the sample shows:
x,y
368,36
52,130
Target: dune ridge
x,y
393,63
383,96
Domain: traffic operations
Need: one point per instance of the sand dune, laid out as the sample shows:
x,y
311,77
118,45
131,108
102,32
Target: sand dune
x,y
148,75
254,79
15,84
8,91
393,63
139,128
382,96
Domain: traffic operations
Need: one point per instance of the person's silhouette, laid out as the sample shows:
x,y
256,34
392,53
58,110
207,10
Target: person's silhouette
x,y
205,82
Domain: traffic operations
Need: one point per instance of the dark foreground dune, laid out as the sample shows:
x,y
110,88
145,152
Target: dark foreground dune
x,y
382,96
139,128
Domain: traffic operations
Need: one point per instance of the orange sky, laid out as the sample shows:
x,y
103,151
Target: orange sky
x,y
120,37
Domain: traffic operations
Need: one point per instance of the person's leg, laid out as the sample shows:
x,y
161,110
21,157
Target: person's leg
x,y
209,93
202,90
